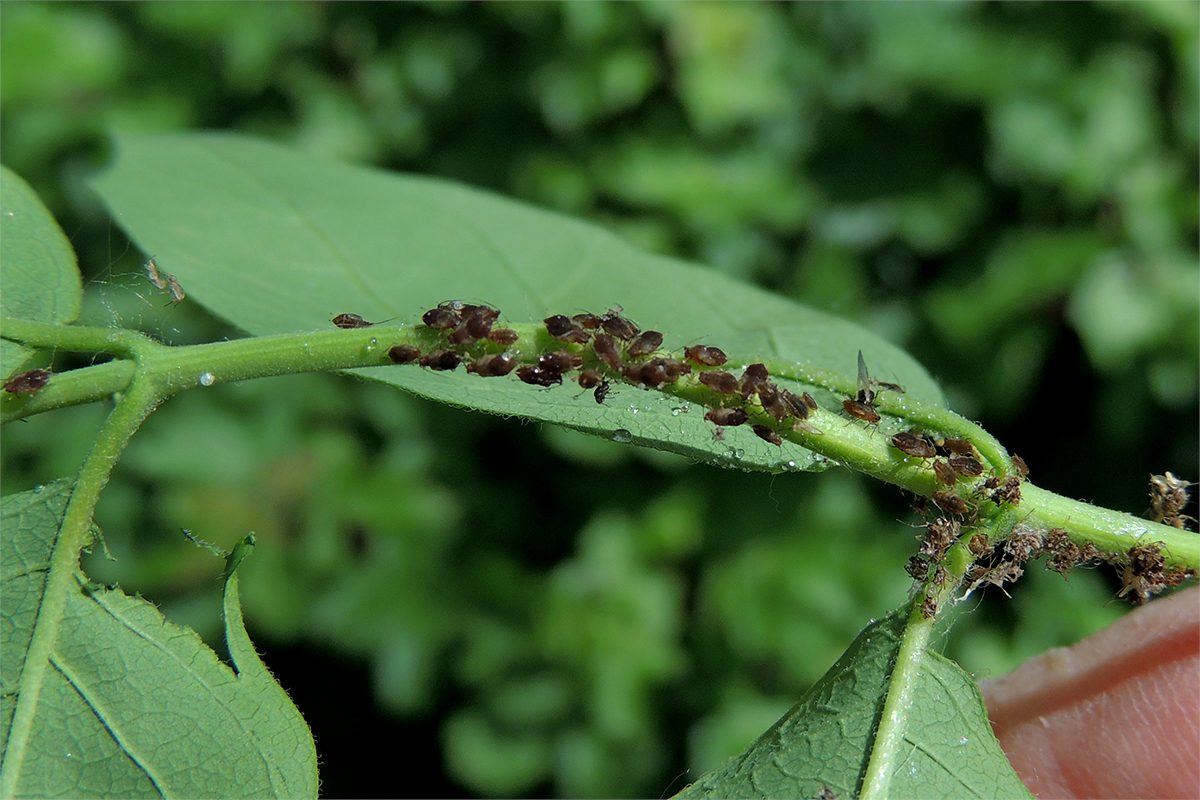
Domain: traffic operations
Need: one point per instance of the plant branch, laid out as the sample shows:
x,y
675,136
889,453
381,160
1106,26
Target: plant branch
x,y
850,443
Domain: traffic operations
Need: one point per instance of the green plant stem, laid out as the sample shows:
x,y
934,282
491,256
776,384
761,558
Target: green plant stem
x,y
138,402
850,443
914,643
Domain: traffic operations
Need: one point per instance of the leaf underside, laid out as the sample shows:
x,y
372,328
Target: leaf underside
x,y
37,266
826,740
277,242
133,705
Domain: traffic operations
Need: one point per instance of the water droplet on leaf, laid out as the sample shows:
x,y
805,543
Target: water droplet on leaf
x,y
621,435
207,379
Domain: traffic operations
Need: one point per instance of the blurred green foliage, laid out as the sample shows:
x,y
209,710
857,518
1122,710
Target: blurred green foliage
x,y
1007,190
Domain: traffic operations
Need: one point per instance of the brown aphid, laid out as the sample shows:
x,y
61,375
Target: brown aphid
x,y
350,321
913,444
861,410
503,336
479,320
826,793
795,404
675,369
753,376
606,350
1020,466
587,321
967,466
441,360
960,447
403,354
441,318
728,417
538,377
945,473
719,381
767,435
929,607
559,361
772,401
705,355
1008,491
940,576
979,544
590,378
652,374
644,344
493,366
27,383
950,503
558,324
917,567
809,401
615,325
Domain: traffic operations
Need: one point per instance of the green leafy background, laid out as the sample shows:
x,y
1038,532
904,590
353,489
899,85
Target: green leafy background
x,y
1006,191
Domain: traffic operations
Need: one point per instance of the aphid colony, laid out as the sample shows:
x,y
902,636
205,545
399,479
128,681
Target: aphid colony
x,y
602,348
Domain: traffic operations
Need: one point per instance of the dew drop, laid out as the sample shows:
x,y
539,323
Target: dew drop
x,y
677,410
207,379
372,345
963,740
739,453
622,436
791,465
633,409
39,489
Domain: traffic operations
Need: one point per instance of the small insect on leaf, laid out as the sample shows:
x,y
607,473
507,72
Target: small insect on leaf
x,y
348,321
441,318
950,503
913,444
960,447
177,293
705,356
719,381
615,325
493,366
644,344
539,377
605,348
945,473
154,276
754,376
729,417
441,360
967,466
861,410
503,336
403,354
1020,465
767,435
27,383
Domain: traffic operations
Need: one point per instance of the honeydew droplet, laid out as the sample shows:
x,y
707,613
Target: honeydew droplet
x,y
207,379
622,436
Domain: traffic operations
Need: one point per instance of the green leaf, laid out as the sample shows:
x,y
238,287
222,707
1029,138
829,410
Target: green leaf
x,y
37,266
133,705
826,740
275,242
